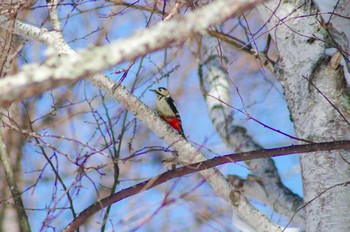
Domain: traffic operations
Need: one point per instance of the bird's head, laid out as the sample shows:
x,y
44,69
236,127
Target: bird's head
x,y
161,92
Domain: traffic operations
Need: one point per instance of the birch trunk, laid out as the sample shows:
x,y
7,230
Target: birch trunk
x,y
311,87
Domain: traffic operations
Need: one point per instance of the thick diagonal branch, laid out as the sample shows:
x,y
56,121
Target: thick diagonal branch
x,y
60,70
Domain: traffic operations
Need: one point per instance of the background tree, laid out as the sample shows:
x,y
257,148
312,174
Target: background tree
x,y
67,143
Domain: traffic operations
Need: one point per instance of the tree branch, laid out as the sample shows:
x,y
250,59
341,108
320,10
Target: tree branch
x,y
263,171
5,160
200,166
58,70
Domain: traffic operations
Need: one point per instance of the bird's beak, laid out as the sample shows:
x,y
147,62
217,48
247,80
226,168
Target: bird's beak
x,y
153,90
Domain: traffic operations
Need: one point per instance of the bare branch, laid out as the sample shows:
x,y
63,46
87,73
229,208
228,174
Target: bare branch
x,y
5,160
52,5
192,168
58,70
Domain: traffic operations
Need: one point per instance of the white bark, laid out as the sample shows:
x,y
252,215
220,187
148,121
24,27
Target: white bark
x,y
58,70
314,117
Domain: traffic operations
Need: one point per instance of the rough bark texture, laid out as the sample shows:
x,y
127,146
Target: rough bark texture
x,y
310,85
329,212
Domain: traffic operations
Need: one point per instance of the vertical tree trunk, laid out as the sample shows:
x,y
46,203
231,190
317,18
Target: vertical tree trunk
x,y
311,87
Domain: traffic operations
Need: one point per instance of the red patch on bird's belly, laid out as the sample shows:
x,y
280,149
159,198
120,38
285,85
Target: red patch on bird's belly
x,y
174,122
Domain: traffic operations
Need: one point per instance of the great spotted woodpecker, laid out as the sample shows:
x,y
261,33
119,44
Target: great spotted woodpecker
x,y
167,110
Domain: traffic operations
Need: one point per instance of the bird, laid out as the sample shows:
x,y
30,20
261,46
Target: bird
x,y
167,110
